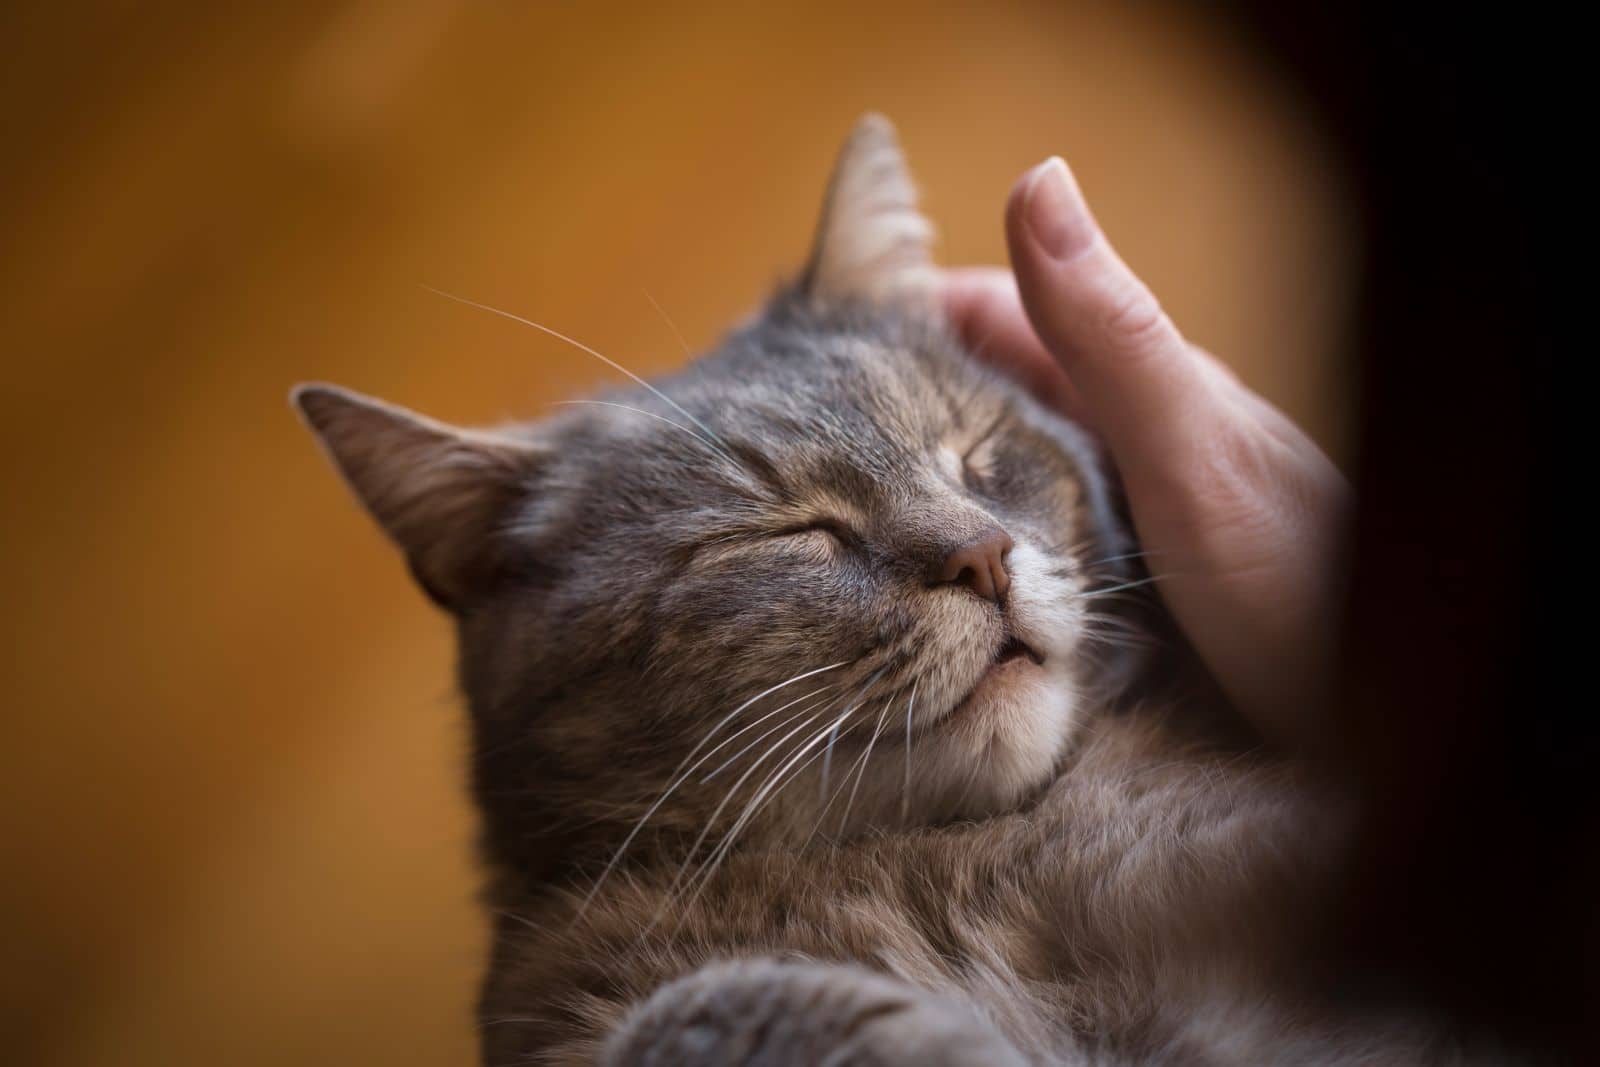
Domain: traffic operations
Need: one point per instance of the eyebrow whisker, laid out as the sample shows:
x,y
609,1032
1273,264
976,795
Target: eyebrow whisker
x,y
636,411
607,360
670,324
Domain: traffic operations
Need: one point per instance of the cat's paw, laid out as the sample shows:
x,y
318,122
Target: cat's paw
x,y
769,1013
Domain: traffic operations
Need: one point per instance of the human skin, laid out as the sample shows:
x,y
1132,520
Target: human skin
x,y
1238,511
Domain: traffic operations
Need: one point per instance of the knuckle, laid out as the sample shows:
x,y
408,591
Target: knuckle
x,y
1214,480
1134,319
1254,497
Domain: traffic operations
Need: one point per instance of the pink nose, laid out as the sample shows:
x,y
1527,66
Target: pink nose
x,y
979,565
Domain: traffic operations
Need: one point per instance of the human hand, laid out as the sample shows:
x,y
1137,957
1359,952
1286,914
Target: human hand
x,y
1238,511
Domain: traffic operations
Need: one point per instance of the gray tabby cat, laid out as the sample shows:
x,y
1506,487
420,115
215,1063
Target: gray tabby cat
x,y
811,721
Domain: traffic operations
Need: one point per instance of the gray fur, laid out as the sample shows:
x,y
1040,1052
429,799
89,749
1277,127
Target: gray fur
x,y
751,790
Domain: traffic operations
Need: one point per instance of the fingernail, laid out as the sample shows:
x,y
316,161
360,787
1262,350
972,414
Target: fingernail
x,y
1053,211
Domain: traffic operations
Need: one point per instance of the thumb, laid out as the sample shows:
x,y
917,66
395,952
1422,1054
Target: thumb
x,y
1133,371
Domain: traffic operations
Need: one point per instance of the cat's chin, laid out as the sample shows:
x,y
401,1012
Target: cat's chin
x,y
1017,665
1006,739
990,755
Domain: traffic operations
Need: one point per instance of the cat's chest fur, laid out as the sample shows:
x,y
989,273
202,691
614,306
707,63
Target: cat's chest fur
x,y
1155,887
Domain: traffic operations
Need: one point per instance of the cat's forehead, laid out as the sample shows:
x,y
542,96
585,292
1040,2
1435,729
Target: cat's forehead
x,y
850,416
848,408
891,390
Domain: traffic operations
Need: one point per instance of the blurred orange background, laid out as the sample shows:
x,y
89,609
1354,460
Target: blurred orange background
x,y
234,828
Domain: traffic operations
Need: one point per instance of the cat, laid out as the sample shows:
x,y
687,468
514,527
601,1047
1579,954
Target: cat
x,y
820,712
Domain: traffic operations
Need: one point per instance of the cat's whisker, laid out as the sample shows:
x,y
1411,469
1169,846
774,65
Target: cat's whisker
x,y
782,773
905,790
833,731
1098,624
763,791
680,773
861,772
788,772
759,696
827,760
1119,597
670,324
1095,616
1116,642
733,791
731,760
1123,556
843,782
1094,593
636,411
1129,638
607,360
670,895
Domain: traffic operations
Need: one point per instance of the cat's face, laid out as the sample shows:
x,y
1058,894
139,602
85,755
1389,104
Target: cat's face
x,y
833,576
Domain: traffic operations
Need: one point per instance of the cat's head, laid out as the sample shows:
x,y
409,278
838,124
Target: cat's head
x,y
835,575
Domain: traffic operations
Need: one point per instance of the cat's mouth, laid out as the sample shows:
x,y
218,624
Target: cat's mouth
x,y
1013,656
1016,648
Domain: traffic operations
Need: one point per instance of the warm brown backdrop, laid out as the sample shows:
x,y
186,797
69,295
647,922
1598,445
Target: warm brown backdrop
x,y
232,828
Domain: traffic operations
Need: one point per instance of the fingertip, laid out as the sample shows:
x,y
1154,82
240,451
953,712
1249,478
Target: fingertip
x,y
1095,318
1082,299
1047,213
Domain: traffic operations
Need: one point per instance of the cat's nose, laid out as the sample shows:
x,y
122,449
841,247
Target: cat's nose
x,y
980,565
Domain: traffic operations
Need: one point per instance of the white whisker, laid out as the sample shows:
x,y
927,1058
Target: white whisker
x,y
680,773
861,773
762,792
728,839
1125,555
827,761
670,324
828,753
905,791
667,897
1091,594
608,361
731,760
843,781
636,411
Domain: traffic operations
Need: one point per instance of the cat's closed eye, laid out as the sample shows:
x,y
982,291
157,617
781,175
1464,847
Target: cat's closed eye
x,y
817,540
975,465
978,468
837,532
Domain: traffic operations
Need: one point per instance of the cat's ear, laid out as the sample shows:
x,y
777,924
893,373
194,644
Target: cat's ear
x,y
872,243
439,492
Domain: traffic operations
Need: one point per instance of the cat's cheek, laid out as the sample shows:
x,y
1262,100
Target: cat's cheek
x,y
773,593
